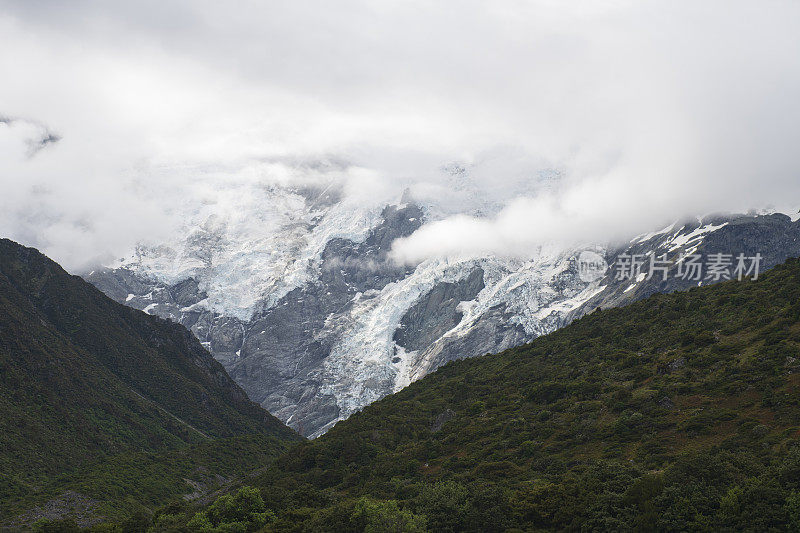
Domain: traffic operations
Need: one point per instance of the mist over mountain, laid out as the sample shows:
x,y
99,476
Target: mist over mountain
x,y
633,113
308,312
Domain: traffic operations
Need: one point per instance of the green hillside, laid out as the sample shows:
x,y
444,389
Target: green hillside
x,y
676,413
84,379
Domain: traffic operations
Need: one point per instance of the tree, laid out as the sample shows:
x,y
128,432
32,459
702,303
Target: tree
x,y
385,516
239,512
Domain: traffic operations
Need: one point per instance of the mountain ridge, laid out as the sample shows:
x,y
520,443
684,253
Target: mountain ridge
x,y
359,328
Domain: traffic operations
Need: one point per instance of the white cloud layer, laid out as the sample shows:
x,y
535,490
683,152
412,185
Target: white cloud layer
x,y
646,110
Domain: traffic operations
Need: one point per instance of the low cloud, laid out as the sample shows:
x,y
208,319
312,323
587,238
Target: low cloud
x,y
514,123
34,135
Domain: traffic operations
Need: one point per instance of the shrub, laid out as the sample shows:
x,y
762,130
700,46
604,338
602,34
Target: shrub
x,y
242,511
385,516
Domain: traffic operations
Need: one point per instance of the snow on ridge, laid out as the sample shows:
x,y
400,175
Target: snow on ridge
x,y
692,239
248,252
248,242
792,212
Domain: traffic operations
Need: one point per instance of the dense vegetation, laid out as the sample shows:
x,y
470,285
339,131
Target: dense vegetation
x,y
90,388
677,413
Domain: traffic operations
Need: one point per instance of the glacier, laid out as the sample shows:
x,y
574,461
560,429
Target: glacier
x,y
293,290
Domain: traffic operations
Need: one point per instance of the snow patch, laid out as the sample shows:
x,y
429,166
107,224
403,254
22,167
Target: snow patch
x,y
693,239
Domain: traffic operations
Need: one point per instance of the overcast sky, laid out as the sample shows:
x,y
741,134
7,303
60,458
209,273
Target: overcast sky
x,y
113,113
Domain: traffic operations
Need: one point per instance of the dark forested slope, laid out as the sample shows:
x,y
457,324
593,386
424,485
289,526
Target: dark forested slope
x,y
679,412
84,378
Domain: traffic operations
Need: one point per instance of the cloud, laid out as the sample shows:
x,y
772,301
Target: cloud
x,y
569,121
36,136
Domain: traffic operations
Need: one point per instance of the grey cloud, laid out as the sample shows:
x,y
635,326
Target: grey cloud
x,y
47,138
40,138
569,120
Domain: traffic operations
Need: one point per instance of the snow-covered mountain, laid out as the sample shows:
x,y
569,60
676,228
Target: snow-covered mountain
x,y
295,294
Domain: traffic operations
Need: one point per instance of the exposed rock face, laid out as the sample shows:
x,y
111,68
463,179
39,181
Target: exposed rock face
x,y
494,331
353,326
775,237
437,312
